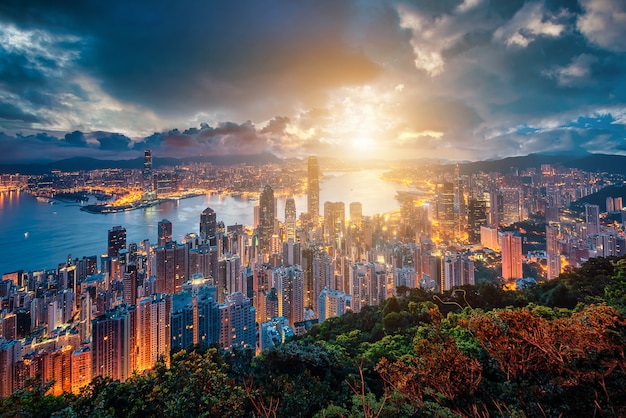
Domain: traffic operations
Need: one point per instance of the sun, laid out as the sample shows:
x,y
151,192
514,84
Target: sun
x,y
363,144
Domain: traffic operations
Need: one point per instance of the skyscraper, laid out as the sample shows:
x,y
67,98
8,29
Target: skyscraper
x,y
476,217
290,218
267,205
116,240
165,232
147,171
208,225
356,214
111,344
313,194
552,252
592,218
511,248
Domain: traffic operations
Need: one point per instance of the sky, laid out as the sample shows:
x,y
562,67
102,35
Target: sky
x,y
461,80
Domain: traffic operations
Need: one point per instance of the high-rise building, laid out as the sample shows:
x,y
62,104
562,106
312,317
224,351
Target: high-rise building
x,y
592,218
10,354
267,208
81,368
290,218
356,214
511,249
334,220
165,232
153,330
147,171
313,193
111,342
170,267
208,225
332,303
238,322
116,240
476,217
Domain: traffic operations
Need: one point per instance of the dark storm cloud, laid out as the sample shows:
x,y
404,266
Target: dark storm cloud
x,y
11,112
113,142
76,139
177,57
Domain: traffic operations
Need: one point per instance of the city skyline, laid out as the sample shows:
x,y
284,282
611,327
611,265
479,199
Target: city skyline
x,y
459,80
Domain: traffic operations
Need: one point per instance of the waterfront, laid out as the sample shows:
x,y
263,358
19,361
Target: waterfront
x,y
36,235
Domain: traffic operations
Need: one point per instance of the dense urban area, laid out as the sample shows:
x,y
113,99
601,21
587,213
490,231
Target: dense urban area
x,y
144,307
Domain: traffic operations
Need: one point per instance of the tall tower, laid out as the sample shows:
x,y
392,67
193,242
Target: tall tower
x,y
165,232
147,175
290,218
267,205
313,194
356,214
592,218
208,225
116,240
511,247
552,252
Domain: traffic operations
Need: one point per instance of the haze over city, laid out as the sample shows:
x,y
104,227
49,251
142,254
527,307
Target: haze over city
x,y
453,80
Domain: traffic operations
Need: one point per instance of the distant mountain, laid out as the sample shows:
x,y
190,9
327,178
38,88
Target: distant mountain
x,y
87,163
528,161
615,164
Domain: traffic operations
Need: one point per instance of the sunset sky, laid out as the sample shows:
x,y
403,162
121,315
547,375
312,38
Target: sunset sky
x,y
453,80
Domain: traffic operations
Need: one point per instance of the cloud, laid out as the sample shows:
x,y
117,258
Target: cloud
x,y
529,23
604,23
576,73
9,111
113,142
76,139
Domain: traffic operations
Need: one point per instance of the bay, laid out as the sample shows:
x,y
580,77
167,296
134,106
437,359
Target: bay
x,y
36,235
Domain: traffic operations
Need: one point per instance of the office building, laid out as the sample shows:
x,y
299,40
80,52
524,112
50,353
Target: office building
x,y
313,191
116,240
267,217
511,250
290,218
208,225
165,232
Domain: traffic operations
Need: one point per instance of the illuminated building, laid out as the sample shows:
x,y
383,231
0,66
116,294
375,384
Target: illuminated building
x,y
476,217
208,225
334,220
332,303
512,209
267,211
489,238
356,214
111,343
238,322
147,171
592,219
10,354
81,368
116,240
165,232
458,271
313,192
511,249
290,288
553,256
170,267
290,218
153,330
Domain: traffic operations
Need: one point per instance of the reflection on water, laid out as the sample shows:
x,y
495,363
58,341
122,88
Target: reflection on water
x,y
36,234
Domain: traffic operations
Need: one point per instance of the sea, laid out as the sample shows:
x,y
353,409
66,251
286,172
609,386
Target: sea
x,y
36,234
